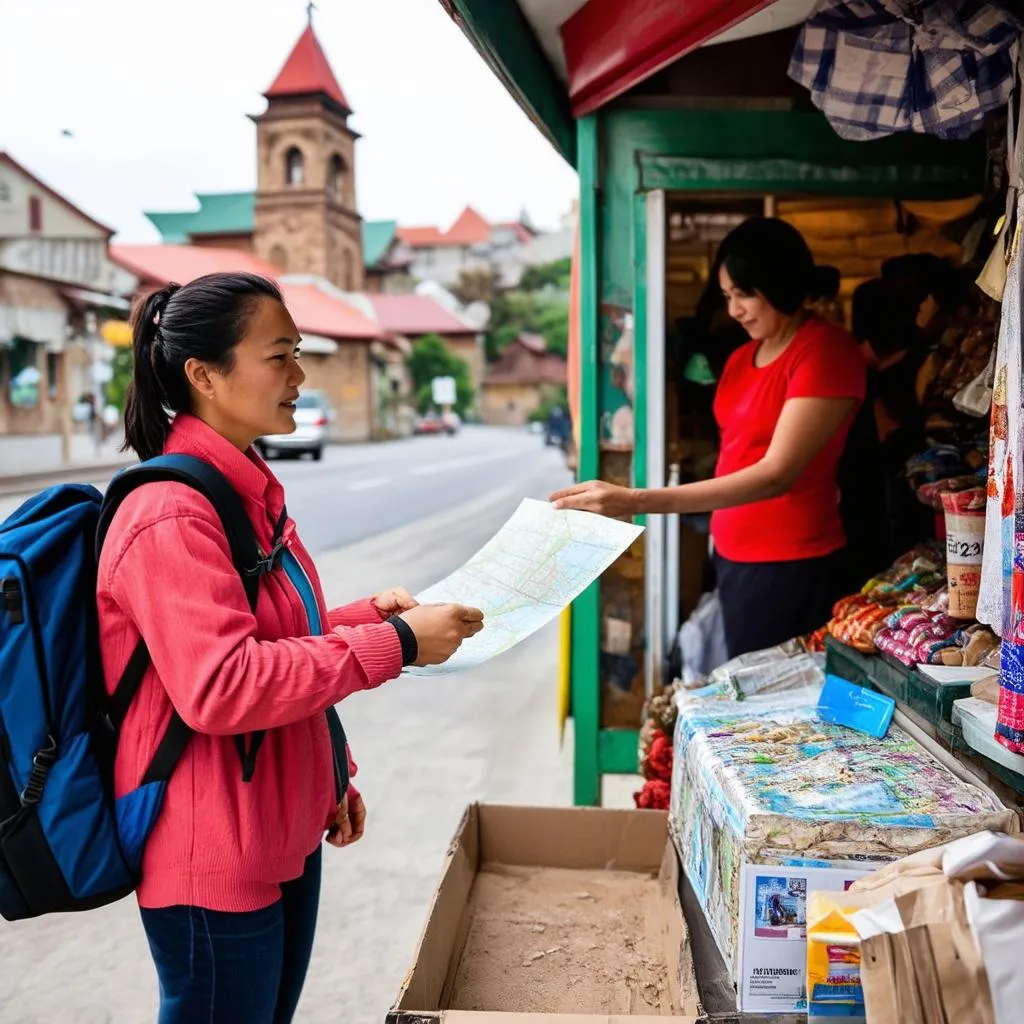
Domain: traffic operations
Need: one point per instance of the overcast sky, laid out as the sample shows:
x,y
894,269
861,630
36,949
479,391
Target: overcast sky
x,y
156,95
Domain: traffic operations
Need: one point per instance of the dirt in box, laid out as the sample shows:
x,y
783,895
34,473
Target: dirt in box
x,y
550,940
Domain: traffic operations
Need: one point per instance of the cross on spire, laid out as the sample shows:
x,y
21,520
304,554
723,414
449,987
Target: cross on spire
x,y
310,8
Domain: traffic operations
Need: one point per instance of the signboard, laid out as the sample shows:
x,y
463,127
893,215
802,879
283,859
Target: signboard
x,y
443,390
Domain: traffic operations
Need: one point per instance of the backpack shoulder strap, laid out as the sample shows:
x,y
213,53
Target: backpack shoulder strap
x,y
247,559
214,486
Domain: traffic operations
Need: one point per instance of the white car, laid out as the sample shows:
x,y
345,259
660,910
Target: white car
x,y
313,419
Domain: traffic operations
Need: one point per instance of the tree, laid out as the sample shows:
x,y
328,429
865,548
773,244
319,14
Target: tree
x,y
477,286
117,389
516,312
554,276
430,358
540,305
553,324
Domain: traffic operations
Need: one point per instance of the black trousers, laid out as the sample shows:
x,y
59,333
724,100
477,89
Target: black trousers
x,y
768,603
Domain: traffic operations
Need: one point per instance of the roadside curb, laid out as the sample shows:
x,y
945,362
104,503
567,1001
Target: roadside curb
x,y
29,483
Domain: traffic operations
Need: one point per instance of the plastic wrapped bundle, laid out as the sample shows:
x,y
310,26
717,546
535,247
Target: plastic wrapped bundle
x,y
764,782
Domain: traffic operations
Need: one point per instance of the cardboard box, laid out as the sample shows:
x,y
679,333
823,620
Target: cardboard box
x,y
497,844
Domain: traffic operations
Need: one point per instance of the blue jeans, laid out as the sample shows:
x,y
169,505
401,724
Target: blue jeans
x,y
222,968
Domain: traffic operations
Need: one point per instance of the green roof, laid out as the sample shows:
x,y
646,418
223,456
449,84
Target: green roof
x,y
219,213
174,228
225,213
233,213
377,238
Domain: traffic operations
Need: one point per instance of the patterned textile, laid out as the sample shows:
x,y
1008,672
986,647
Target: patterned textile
x,y
876,67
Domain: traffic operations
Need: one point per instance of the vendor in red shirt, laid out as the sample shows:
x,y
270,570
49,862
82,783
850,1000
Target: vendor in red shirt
x,y
784,407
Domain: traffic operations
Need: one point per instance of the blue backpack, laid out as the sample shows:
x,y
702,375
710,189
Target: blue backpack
x,y
66,843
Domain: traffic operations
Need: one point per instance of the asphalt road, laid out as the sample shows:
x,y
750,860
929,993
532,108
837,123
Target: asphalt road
x,y
359,491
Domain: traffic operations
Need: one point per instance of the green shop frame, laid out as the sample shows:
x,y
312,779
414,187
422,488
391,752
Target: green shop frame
x,y
630,163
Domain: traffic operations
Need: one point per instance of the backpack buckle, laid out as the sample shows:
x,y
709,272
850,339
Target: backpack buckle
x,y
43,761
268,564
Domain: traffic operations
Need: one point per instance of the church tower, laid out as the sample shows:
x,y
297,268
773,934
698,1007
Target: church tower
x,y
306,221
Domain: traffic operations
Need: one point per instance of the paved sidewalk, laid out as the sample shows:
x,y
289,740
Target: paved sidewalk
x,y
32,454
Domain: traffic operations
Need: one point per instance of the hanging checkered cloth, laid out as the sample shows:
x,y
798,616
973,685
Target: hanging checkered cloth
x,y
875,67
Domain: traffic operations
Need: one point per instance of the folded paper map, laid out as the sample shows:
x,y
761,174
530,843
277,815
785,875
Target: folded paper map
x,y
522,578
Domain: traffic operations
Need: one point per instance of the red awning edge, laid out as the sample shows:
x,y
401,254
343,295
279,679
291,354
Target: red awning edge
x,y
611,46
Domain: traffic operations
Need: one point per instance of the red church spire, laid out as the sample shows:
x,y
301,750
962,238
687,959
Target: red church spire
x,y
307,71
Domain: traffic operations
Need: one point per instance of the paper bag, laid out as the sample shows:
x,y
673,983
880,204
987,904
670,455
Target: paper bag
x,y
920,963
878,980
997,923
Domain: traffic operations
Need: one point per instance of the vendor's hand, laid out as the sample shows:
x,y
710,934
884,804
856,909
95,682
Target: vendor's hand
x,y
350,823
394,601
440,630
597,496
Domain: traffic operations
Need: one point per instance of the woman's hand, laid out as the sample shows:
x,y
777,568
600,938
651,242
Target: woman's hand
x,y
598,496
394,601
350,821
440,629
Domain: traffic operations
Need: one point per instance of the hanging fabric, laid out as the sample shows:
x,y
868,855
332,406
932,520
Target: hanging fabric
x,y
876,67
1010,541
1004,478
1002,275
992,279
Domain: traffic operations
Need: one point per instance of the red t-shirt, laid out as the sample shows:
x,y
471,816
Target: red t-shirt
x,y
822,361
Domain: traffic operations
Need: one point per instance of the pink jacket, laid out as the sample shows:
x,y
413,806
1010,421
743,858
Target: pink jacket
x,y
165,572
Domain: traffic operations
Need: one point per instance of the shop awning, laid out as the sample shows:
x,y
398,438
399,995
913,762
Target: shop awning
x,y
96,300
611,46
42,326
562,59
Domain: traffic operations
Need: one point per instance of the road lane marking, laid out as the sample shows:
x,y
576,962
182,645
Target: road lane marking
x,y
463,463
370,482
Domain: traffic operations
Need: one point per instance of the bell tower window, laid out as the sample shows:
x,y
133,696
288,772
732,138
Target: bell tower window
x,y
336,178
294,168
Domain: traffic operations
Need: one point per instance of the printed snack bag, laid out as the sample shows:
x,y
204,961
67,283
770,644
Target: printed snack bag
x,y
833,958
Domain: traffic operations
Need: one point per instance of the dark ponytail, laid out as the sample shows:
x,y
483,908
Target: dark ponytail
x,y
202,320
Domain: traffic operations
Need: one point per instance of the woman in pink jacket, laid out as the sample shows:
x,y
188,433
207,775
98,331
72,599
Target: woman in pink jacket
x,y
231,872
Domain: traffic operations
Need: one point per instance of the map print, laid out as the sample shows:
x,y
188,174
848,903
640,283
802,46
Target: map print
x,y
522,578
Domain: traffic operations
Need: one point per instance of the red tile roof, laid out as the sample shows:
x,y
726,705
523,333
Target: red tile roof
x,y
307,71
416,315
534,342
318,312
161,264
417,237
469,229
524,363
523,234
314,310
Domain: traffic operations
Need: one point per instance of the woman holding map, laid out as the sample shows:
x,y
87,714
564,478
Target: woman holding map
x,y
231,869
784,406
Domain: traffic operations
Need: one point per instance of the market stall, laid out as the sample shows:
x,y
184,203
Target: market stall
x,y
903,172
683,120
